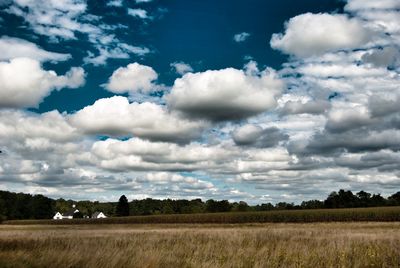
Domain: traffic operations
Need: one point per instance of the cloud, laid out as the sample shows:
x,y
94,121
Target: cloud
x,y
383,160
241,37
176,182
138,12
388,57
140,51
115,116
309,107
225,94
341,107
23,82
181,67
140,155
355,5
121,51
342,119
11,48
384,105
132,78
57,19
48,153
115,3
338,70
142,1
328,119
20,127
253,135
314,34
354,141
64,20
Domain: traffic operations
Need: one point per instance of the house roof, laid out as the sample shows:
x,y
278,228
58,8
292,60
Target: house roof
x,y
70,212
58,214
96,214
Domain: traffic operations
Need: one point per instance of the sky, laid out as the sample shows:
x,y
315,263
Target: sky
x,y
260,101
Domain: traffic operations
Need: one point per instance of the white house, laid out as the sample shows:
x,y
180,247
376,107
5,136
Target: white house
x,y
67,215
98,215
58,216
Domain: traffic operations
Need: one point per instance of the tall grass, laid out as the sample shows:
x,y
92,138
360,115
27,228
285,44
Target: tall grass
x,y
256,245
299,216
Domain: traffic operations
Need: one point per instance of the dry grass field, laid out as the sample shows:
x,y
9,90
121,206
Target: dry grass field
x,y
358,244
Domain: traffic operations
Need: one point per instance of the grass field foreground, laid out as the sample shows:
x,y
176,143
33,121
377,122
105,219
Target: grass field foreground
x,y
367,244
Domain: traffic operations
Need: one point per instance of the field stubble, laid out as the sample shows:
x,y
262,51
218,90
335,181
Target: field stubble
x,y
192,245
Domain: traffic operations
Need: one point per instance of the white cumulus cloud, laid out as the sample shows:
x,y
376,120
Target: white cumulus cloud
x,y
355,5
23,82
11,48
132,78
117,117
314,34
225,94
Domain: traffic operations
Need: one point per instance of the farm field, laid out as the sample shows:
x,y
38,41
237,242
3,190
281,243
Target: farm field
x,y
384,214
335,244
379,214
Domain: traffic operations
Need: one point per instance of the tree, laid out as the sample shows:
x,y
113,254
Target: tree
x,y
394,199
3,210
332,200
197,206
167,207
312,204
241,206
284,205
377,200
341,199
41,207
217,206
78,215
264,207
364,199
122,207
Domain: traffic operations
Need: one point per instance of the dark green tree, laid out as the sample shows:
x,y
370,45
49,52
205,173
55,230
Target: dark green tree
x,y
78,215
42,207
122,208
3,210
241,206
312,204
377,200
264,207
364,199
394,199
218,206
284,205
341,199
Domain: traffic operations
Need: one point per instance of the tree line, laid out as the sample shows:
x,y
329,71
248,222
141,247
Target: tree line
x,y
27,206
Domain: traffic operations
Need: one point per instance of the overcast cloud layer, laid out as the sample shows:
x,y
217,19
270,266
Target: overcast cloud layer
x,y
328,117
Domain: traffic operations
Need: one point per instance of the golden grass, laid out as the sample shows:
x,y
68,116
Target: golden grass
x,y
190,245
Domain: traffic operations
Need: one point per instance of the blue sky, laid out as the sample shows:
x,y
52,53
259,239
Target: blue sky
x,y
199,32
261,101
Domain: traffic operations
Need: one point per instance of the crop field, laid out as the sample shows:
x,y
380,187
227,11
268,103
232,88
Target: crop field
x,y
381,214
346,244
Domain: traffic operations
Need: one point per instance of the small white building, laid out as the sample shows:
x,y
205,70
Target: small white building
x,y
98,215
67,215
58,216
